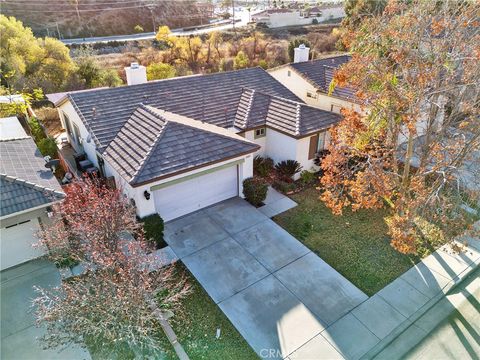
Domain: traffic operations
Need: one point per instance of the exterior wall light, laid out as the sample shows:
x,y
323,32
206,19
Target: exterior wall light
x,y
146,194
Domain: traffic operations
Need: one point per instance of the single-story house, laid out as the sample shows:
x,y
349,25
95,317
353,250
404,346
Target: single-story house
x,y
181,144
295,15
27,189
310,81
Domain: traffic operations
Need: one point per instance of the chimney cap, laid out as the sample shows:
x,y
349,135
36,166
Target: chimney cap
x,y
134,65
302,46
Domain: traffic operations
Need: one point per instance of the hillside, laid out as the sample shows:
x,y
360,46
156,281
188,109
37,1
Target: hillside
x,y
85,18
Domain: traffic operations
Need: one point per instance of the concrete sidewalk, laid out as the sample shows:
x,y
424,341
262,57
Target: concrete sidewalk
x,y
450,329
19,333
275,291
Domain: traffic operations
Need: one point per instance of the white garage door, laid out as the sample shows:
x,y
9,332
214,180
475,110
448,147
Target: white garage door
x,y
16,243
194,194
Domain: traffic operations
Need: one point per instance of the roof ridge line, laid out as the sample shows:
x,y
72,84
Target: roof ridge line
x,y
30,184
85,122
249,104
15,138
198,124
155,142
297,120
282,98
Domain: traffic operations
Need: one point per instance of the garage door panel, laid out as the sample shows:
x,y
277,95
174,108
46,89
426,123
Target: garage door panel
x,y
194,194
16,244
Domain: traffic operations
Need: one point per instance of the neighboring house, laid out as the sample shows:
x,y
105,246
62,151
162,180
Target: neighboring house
x,y
177,145
27,189
310,81
274,18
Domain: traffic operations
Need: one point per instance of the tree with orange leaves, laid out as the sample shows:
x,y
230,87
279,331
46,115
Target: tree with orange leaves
x,y
415,147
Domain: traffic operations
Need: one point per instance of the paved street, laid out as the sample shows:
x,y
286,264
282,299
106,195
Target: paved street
x,y
449,330
19,333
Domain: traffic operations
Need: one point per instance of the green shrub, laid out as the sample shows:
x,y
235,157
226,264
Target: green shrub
x,y
67,261
36,129
153,228
262,166
307,177
314,21
263,64
283,186
48,147
286,169
157,71
255,190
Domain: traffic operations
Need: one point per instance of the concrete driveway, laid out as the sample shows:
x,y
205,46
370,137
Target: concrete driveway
x,y
18,329
275,291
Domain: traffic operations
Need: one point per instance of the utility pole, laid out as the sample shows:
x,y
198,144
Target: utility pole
x,y
233,17
58,31
149,7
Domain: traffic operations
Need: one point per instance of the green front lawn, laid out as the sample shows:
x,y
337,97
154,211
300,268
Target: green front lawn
x,y
196,326
356,244
195,323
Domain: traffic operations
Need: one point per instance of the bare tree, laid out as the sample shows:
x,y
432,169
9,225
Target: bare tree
x,y
109,307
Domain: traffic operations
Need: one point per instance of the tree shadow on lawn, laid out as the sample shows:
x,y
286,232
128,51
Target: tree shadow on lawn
x,y
356,244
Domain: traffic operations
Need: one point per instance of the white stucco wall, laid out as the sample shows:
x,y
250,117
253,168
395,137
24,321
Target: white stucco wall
x,y
300,87
147,207
280,146
303,147
250,135
88,148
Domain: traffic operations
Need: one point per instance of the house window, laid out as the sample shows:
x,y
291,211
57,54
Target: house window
x,y
335,108
76,134
318,143
289,73
68,125
321,141
259,133
101,165
311,95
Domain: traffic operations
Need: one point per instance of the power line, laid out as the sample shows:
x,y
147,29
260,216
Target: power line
x,y
147,2
83,10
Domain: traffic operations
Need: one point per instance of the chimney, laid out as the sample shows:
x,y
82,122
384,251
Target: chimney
x,y
301,53
136,74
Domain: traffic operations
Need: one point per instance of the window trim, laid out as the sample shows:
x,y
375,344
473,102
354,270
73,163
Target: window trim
x,y
322,137
76,133
262,133
68,124
336,105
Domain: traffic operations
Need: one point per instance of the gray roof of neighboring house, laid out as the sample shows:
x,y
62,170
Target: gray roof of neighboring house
x,y
10,128
25,181
320,74
291,117
211,98
153,144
